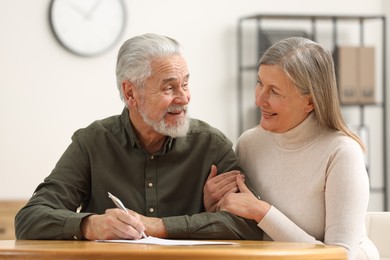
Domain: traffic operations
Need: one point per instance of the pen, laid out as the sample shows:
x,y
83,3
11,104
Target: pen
x,y
120,205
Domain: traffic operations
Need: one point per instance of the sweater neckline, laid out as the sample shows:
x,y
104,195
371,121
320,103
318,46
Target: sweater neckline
x,y
301,135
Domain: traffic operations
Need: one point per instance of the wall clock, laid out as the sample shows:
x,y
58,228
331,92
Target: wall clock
x,y
87,27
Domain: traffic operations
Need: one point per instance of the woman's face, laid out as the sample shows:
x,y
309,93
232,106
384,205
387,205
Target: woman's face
x,y
282,106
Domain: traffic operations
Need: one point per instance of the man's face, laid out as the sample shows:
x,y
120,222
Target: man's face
x,y
165,96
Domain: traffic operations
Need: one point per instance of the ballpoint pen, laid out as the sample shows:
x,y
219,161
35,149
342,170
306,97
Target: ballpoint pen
x,y
120,205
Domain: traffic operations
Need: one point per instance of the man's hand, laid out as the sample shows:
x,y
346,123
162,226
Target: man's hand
x,y
218,186
113,224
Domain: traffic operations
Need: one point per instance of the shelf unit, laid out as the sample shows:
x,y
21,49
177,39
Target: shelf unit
x,y
312,25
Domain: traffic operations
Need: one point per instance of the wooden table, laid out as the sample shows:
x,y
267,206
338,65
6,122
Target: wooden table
x,y
54,249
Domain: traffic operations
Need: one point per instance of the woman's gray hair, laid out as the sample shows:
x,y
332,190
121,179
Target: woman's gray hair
x,y
311,68
137,53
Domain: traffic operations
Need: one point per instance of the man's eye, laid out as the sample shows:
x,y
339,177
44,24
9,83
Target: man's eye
x,y
168,89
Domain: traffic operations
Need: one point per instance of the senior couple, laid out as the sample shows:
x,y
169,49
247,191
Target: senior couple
x,y
298,176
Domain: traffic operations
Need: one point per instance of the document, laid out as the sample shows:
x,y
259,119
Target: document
x,y
168,242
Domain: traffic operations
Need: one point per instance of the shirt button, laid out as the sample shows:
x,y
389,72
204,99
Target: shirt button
x,y
151,157
74,237
150,185
151,210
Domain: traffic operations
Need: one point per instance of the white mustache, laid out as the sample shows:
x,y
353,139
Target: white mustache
x,y
176,108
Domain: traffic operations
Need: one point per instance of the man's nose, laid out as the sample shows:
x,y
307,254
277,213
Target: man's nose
x,y
182,96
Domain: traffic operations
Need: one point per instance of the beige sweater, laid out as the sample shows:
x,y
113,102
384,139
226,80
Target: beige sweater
x,y
316,181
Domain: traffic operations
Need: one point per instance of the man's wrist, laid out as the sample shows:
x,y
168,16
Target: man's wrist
x,y
85,227
155,227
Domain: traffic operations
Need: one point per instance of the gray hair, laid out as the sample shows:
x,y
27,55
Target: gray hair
x,y
136,55
311,68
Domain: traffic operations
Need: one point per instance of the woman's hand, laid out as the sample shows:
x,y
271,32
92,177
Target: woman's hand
x,y
218,186
244,203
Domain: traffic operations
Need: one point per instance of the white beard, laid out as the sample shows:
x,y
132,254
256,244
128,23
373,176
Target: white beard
x,y
161,127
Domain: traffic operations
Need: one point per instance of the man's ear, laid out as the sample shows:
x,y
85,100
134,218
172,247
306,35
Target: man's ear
x,y
128,90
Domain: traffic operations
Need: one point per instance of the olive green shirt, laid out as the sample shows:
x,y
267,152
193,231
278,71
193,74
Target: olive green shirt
x,y
106,157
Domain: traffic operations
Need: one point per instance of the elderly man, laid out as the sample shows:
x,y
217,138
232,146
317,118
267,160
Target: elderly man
x,y
152,156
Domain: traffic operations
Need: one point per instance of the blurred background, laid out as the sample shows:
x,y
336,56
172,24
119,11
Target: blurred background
x,y
48,92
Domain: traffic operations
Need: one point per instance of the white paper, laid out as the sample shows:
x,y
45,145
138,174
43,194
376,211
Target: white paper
x,y
168,242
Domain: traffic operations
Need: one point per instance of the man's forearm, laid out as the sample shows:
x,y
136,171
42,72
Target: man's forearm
x,y
206,225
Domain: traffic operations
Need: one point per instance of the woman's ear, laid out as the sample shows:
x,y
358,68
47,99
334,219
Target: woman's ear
x,y
309,105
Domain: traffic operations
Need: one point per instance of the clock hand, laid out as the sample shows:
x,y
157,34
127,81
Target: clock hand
x,y
93,8
79,10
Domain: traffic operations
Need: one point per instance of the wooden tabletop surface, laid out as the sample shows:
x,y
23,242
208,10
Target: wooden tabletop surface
x,y
243,249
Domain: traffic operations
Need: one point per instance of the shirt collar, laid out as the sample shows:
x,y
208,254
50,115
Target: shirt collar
x,y
134,140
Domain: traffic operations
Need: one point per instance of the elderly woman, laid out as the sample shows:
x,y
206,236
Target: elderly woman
x,y
303,161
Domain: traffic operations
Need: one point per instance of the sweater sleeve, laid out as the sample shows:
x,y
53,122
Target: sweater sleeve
x,y
346,198
280,228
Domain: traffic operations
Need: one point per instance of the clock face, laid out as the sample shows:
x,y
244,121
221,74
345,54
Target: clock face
x,y
87,27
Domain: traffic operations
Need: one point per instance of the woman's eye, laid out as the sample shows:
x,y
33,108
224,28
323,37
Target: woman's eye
x,y
259,84
274,92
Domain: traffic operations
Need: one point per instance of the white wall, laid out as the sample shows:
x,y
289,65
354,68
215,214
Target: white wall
x,y
47,93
